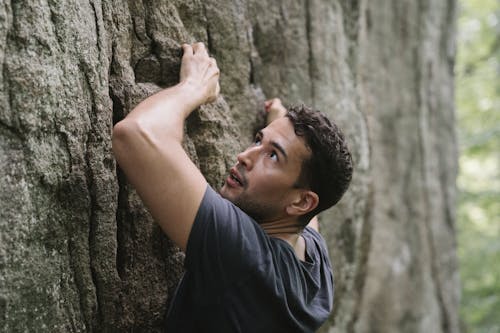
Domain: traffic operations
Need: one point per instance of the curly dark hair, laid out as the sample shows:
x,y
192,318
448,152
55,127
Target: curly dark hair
x,y
328,171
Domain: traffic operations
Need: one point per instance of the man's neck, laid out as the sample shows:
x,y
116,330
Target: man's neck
x,y
290,232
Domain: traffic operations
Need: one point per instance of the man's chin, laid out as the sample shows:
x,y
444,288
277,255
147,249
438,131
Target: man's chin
x,y
231,195
224,192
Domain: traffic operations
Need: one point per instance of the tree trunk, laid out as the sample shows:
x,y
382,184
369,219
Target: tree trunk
x,y
78,251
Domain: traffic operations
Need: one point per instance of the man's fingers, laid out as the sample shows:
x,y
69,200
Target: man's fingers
x,y
196,48
199,48
274,103
274,109
200,68
187,49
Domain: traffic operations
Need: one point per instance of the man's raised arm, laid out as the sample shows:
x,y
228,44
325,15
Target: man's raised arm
x,y
148,146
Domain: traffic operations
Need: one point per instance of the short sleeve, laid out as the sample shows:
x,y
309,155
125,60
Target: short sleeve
x,y
225,244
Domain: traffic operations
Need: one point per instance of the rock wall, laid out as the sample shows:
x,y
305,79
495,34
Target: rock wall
x,y
79,253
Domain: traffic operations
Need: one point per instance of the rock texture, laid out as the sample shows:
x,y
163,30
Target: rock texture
x,y
78,251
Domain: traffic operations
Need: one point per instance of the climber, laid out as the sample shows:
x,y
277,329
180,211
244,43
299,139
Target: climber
x,y
251,265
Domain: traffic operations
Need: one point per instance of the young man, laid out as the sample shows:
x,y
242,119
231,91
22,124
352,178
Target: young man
x,y
251,266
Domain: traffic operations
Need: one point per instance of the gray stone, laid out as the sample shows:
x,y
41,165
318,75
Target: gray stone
x,y
78,250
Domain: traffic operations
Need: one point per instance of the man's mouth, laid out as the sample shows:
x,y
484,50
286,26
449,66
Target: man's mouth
x,y
236,178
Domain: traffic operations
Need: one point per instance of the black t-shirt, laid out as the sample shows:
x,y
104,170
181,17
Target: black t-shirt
x,y
238,279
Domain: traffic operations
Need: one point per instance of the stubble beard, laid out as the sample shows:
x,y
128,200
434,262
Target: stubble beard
x,y
259,211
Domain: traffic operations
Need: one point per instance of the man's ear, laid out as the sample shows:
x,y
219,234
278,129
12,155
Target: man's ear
x,y
305,202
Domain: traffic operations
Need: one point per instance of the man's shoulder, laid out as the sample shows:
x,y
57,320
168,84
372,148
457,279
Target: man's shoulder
x,y
222,231
316,246
311,233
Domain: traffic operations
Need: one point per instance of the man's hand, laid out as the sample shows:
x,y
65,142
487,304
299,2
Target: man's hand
x,y
274,110
200,70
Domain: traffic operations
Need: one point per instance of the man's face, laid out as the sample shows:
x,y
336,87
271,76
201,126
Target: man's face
x,y
262,181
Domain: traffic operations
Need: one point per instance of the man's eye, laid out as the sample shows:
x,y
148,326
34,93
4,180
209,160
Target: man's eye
x,y
257,142
274,156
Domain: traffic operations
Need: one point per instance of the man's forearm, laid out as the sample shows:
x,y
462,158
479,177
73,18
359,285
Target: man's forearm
x,y
162,115
155,127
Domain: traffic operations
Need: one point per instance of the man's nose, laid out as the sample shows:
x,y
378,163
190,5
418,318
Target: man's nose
x,y
246,158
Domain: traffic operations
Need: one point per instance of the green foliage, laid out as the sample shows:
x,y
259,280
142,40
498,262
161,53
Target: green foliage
x,y
478,105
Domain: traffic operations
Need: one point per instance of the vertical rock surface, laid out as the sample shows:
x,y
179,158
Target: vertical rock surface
x,y
78,251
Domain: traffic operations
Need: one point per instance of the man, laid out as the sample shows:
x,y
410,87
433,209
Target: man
x,y
251,266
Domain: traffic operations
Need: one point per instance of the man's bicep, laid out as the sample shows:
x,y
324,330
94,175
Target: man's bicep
x,y
167,181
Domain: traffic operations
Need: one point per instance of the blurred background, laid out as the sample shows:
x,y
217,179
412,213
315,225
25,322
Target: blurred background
x,y
478,112
80,253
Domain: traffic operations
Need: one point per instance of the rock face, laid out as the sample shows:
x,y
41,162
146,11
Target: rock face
x,y
79,253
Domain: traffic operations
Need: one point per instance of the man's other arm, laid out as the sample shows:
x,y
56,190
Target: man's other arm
x,y
148,146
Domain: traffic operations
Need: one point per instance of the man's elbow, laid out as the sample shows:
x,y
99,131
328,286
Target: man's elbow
x,y
132,140
122,138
